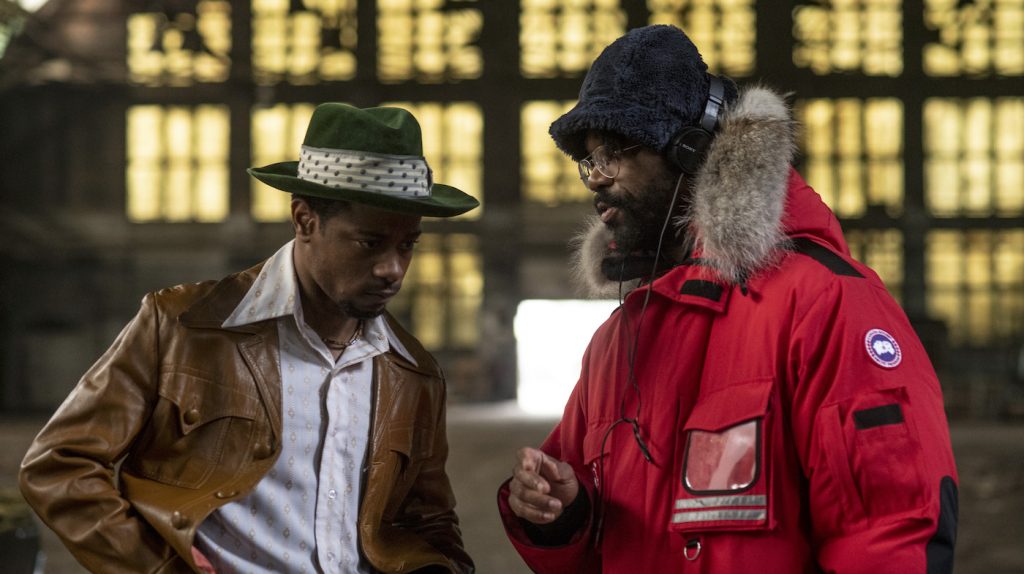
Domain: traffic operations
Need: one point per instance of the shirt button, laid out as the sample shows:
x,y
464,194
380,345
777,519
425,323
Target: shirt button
x,y
330,557
332,494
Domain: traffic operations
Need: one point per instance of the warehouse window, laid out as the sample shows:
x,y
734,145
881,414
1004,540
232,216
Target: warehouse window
x,y
974,38
303,41
180,47
725,31
881,250
277,135
428,41
551,338
442,291
559,38
177,163
976,284
549,176
845,36
854,153
974,157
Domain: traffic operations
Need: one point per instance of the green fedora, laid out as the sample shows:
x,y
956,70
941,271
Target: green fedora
x,y
372,156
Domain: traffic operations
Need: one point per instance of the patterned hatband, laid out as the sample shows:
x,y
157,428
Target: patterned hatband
x,y
395,175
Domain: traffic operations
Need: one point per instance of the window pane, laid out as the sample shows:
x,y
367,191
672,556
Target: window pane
x,y
549,176
180,47
725,31
427,293
974,157
976,284
442,292
854,153
177,163
303,41
428,41
862,37
560,38
881,250
974,38
277,135
467,287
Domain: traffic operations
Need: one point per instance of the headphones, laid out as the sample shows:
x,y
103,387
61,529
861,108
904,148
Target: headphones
x,y
687,149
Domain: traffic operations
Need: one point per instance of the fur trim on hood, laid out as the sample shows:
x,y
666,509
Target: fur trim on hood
x,y
738,199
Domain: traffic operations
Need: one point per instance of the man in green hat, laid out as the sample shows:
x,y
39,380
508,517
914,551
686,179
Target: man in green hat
x,y
277,420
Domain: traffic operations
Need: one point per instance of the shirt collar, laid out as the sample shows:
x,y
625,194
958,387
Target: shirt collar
x,y
274,295
377,332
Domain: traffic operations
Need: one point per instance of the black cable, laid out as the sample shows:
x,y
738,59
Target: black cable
x,y
635,421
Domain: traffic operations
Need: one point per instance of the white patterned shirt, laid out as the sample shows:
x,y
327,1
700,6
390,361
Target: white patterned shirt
x,y
301,517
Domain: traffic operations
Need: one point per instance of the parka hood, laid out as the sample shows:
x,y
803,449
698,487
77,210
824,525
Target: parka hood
x,y
746,201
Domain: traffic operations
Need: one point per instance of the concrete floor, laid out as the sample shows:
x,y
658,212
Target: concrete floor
x,y
484,438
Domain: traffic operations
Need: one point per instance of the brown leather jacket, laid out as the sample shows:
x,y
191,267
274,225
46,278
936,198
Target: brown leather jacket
x,y
181,416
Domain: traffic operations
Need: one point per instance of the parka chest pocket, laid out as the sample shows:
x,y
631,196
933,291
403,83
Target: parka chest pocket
x,y
185,439
722,461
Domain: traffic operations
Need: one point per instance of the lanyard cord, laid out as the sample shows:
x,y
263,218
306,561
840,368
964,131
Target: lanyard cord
x,y
633,422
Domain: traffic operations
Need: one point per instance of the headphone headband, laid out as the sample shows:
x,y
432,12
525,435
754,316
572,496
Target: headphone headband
x,y
688,147
716,99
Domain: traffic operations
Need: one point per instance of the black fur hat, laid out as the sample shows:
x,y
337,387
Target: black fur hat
x,y
646,86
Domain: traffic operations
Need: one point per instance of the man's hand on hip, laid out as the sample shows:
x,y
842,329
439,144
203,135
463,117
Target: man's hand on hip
x,y
541,486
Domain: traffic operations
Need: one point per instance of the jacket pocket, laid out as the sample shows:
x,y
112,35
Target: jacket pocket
x,y
411,441
723,464
873,453
184,440
407,445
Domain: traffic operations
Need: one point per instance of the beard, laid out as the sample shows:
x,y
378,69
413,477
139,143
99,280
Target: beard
x,y
638,235
643,216
349,308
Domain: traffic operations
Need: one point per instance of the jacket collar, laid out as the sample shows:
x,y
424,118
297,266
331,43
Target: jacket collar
x,y
736,216
740,193
688,284
211,310
422,361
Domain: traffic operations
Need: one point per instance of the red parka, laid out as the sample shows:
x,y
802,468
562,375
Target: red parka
x,y
793,419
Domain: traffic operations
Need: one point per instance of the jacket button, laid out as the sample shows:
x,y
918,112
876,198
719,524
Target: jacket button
x,y
262,451
191,416
179,520
225,494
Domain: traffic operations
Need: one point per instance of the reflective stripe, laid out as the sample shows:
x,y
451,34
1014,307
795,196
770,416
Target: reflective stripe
x,y
709,515
719,501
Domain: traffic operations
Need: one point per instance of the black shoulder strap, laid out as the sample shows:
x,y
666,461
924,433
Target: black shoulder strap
x,y
825,256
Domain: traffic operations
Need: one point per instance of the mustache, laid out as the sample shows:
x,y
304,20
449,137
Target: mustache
x,y
609,200
385,286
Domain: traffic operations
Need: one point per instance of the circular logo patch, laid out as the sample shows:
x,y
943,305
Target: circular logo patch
x,y
883,348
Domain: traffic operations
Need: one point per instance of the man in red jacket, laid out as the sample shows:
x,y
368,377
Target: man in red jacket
x,y
758,403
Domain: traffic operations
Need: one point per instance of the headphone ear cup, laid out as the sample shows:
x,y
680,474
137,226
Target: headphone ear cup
x,y
688,148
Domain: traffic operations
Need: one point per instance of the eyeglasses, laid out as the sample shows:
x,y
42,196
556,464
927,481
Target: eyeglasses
x,y
604,159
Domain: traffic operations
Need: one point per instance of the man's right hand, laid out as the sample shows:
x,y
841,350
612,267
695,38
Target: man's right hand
x,y
541,487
